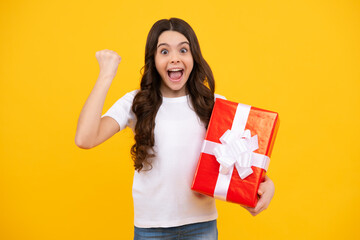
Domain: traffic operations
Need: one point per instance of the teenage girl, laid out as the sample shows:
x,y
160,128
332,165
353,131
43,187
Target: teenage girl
x,y
169,115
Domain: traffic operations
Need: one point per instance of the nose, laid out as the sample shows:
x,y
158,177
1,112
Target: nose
x,y
174,58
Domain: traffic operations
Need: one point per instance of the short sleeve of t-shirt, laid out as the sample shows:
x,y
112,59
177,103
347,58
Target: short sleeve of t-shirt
x,y
121,111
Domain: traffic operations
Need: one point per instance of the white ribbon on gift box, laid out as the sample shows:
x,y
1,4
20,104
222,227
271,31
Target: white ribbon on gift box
x,y
236,149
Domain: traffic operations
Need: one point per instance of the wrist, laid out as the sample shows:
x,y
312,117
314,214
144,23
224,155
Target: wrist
x,y
105,77
103,82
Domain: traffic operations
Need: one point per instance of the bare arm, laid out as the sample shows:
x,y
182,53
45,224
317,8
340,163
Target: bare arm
x,y
91,128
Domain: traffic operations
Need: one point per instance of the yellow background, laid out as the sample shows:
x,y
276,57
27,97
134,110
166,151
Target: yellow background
x,y
299,58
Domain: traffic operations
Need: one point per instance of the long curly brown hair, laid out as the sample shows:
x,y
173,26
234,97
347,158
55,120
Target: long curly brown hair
x,y
200,87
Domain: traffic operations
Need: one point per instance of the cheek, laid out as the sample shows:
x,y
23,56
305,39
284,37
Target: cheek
x,y
160,65
157,66
190,64
189,60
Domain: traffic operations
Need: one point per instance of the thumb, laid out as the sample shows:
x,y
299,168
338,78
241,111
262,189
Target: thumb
x,y
261,189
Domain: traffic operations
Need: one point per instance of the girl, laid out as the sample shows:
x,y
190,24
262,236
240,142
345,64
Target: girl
x,y
169,115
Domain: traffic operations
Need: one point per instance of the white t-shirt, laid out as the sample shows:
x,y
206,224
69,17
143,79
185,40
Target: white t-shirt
x,y
163,196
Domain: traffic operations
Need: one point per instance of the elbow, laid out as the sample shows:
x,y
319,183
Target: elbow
x,y
82,144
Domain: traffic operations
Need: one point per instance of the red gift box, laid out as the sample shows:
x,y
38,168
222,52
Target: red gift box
x,y
223,181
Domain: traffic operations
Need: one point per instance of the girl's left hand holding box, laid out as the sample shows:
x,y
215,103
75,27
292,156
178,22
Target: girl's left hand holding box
x,y
266,192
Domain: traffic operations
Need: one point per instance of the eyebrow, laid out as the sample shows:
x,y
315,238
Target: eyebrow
x,y
161,44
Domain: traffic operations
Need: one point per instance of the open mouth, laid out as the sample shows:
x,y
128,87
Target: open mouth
x,y
175,74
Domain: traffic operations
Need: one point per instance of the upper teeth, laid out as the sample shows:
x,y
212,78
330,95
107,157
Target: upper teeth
x,y
175,69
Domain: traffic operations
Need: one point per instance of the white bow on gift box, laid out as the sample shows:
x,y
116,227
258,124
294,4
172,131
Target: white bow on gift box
x,y
237,149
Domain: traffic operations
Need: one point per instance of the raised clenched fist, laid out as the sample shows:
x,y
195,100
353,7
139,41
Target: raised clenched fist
x,y
108,61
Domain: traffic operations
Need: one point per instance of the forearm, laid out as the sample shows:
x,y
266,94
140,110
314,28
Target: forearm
x,y
90,115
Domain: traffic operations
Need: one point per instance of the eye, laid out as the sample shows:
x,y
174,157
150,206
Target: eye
x,y
183,50
164,51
